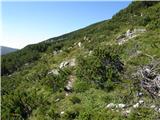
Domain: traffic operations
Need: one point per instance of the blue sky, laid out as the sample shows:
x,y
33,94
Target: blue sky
x,y
26,23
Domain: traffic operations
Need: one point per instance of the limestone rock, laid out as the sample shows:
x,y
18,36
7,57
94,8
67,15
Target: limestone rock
x,y
54,72
57,100
136,105
80,44
139,94
152,106
55,52
128,35
71,63
111,105
62,113
63,64
140,102
121,106
69,86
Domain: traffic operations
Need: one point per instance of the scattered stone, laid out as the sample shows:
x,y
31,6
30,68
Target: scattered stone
x,y
66,94
159,93
139,94
26,64
126,112
136,105
90,52
120,106
116,110
62,113
61,51
63,64
54,72
55,52
71,62
69,86
85,38
111,105
153,106
10,75
79,44
75,44
140,102
57,100
69,48
128,35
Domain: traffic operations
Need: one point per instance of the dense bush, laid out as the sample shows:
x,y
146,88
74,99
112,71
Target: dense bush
x,y
102,68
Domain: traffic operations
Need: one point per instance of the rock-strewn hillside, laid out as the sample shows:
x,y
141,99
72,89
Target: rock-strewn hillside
x,y
108,70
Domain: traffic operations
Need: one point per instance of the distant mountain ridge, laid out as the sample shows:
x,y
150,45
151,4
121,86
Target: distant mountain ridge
x,y
6,50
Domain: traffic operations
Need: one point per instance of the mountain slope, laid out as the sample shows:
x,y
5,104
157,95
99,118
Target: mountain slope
x,y
91,73
6,50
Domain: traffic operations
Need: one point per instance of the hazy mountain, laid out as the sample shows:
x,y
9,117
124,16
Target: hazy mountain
x,y
6,50
108,70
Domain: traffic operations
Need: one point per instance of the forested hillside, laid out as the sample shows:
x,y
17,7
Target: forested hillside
x,y
108,70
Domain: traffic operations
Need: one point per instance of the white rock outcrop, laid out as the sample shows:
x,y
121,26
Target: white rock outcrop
x,y
62,113
121,106
71,63
129,34
136,105
153,106
111,105
54,72
139,94
140,102
68,88
80,44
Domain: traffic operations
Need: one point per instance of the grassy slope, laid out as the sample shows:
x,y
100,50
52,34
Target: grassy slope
x,y
33,86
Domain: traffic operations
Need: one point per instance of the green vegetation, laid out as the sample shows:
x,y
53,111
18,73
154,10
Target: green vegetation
x,y
103,72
